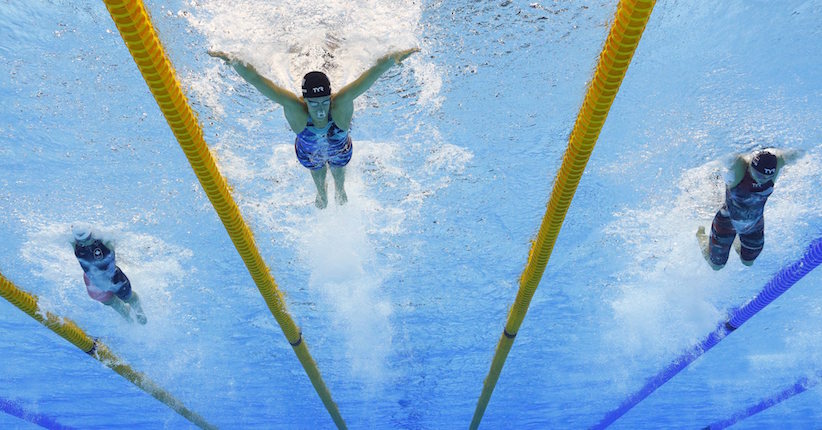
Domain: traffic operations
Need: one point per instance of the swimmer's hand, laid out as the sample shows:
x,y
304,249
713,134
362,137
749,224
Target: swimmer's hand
x,y
402,55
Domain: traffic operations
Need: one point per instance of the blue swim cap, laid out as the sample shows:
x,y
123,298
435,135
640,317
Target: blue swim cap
x,y
316,84
764,162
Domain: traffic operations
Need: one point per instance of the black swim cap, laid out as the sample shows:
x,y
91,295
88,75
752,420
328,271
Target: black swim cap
x,y
316,84
764,162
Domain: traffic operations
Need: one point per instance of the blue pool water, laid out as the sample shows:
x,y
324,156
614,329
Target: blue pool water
x,y
402,294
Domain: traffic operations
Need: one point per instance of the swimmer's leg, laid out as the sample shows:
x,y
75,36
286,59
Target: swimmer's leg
x,y
134,302
128,296
118,305
704,246
338,173
722,237
715,248
751,244
319,180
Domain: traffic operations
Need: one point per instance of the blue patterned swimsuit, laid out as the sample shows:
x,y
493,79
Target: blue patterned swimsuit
x,y
317,146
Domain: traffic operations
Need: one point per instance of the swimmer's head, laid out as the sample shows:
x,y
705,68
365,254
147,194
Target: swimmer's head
x,y
316,84
763,165
81,231
317,95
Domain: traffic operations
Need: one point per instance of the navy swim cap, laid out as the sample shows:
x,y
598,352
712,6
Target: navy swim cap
x,y
764,162
316,84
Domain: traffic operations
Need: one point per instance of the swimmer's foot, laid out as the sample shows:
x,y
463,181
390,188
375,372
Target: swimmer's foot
x,y
321,201
136,308
140,317
341,197
702,238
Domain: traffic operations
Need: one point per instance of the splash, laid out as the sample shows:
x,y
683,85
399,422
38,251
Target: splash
x,y
284,40
345,274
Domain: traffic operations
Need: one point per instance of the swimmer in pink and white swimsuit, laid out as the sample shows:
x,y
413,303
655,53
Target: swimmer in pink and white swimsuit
x,y
105,282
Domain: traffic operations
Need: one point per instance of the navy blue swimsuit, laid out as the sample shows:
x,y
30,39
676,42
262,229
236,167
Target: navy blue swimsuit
x,y
742,214
97,261
745,203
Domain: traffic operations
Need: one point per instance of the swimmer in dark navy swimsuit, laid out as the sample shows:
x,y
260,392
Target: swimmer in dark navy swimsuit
x,y
105,282
748,186
321,119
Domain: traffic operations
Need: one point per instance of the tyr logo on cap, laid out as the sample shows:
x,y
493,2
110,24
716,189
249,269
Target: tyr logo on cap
x,y
316,84
765,162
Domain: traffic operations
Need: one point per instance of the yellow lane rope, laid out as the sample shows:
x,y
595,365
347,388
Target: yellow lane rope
x,y
69,331
630,21
138,33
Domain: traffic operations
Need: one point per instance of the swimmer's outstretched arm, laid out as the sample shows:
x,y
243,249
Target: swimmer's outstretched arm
x,y
269,89
355,89
787,156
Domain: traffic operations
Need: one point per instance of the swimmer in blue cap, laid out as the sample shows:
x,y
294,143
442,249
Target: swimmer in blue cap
x,y
747,187
320,118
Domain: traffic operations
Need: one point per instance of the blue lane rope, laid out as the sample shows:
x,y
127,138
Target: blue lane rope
x,y
802,385
780,283
15,409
